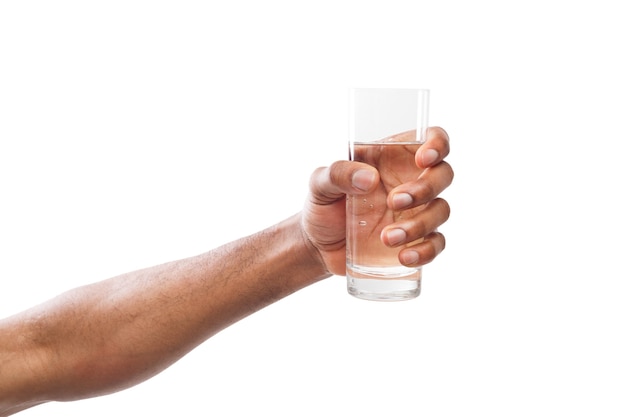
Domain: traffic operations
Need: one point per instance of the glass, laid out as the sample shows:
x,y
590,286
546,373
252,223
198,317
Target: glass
x,y
387,127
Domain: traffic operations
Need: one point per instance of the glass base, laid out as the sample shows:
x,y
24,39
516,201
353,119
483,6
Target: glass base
x,y
384,289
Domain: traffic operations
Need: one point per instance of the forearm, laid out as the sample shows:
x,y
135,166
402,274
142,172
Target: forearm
x,y
107,336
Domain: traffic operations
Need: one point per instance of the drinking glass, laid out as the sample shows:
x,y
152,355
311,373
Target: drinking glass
x,y
387,127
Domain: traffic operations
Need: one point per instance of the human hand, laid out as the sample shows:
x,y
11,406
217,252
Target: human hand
x,y
324,214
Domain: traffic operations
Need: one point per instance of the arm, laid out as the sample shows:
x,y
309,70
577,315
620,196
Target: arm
x,y
105,337
108,336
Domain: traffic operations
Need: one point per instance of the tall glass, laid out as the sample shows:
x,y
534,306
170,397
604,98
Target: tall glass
x,y
387,127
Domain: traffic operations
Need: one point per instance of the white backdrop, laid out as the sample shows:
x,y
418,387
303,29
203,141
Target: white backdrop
x,y
137,132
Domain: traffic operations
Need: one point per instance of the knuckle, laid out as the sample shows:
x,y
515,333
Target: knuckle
x,y
427,191
443,207
448,167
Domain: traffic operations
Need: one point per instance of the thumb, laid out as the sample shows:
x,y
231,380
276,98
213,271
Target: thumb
x,y
332,183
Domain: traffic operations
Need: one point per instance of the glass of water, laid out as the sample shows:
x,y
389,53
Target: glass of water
x,y
387,127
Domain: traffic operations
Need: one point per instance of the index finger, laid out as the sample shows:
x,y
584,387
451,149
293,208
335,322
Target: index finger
x,y
435,149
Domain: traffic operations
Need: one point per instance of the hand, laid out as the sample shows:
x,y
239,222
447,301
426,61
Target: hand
x,y
324,214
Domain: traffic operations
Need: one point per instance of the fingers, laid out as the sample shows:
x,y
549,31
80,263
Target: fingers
x,y
435,178
426,221
421,195
423,252
425,188
435,149
329,184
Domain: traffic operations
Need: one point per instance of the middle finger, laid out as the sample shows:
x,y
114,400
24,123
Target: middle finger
x,y
425,188
432,215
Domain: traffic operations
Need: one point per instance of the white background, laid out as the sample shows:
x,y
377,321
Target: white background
x,y
138,132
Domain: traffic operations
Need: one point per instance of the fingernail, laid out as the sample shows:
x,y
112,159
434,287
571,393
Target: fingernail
x,y
396,236
429,157
409,257
401,200
363,179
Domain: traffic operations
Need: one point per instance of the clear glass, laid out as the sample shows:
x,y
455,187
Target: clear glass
x,y
387,126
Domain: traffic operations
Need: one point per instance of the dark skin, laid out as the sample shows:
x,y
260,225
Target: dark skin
x,y
328,208
367,215
111,335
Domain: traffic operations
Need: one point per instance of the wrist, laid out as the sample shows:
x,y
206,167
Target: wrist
x,y
302,251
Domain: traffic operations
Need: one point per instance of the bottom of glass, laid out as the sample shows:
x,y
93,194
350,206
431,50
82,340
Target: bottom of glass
x,y
381,289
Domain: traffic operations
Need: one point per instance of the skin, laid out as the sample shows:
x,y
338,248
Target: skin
x,y
111,335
